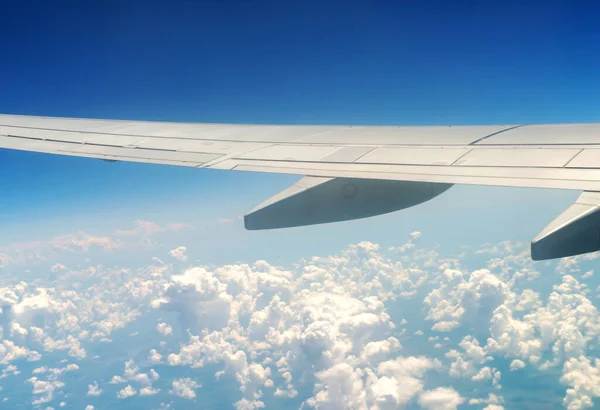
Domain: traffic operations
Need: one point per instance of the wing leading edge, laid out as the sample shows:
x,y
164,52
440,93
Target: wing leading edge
x,y
387,168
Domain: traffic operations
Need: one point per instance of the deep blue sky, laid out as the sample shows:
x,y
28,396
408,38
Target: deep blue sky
x,y
359,62
395,62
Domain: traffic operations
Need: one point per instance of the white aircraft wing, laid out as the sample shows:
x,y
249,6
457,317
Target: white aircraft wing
x,y
352,171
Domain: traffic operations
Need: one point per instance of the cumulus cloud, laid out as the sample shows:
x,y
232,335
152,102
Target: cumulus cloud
x,y
132,373
184,388
94,390
10,351
330,325
179,253
44,389
492,399
442,398
332,312
517,364
154,356
117,380
164,329
465,298
126,392
148,391
583,376
10,370
399,381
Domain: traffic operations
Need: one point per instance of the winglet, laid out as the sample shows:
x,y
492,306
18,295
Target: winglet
x,y
575,231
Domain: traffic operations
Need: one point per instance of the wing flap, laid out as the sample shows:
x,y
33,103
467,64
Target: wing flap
x,y
200,146
290,153
552,178
414,156
518,157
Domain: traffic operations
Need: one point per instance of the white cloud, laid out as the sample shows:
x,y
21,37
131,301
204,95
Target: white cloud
x,y
462,299
184,388
330,321
17,330
45,389
340,386
10,370
566,325
126,392
329,325
399,381
380,350
164,329
132,373
117,380
517,364
441,398
154,375
583,377
94,390
492,399
154,356
179,253
148,391
485,373
9,351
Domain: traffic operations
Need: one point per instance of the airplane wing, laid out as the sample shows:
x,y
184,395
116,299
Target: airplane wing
x,y
352,171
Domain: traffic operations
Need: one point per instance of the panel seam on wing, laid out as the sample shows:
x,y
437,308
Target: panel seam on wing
x,y
496,133
572,158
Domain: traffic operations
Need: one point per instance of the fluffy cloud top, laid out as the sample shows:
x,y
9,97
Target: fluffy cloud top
x,y
126,392
184,388
179,253
332,326
442,398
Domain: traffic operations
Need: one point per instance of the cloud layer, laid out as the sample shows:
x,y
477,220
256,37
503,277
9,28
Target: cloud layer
x,y
364,329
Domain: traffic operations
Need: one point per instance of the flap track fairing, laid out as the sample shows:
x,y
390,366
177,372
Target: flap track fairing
x,y
575,231
317,200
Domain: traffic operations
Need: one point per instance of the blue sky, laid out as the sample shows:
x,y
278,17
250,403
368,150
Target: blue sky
x,y
75,263
385,62
393,62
